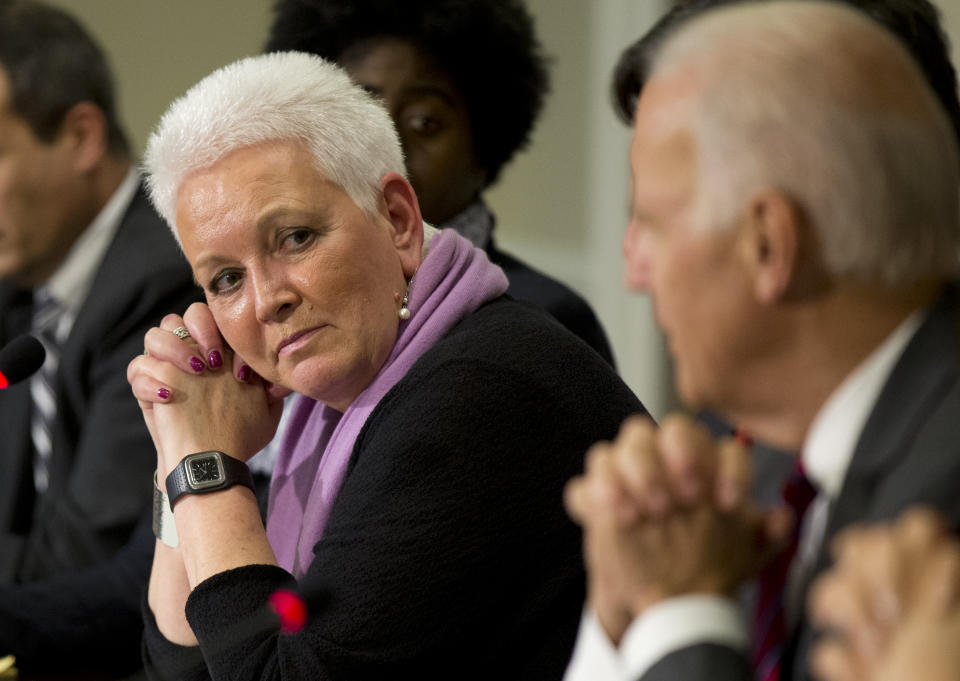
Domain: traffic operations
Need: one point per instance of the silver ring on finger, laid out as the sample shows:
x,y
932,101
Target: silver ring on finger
x,y
182,333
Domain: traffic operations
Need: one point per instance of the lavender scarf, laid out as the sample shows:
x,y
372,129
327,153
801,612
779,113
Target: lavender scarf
x,y
454,280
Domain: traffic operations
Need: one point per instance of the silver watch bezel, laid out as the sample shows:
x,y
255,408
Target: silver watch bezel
x,y
206,484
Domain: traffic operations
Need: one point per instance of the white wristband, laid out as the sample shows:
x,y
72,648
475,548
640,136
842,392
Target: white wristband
x,y
164,527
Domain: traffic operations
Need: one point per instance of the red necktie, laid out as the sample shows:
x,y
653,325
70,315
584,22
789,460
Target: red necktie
x,y
769,624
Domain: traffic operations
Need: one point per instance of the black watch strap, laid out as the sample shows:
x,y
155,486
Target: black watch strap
x,y
206,472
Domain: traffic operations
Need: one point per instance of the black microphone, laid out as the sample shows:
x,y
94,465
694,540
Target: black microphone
x,y
22,357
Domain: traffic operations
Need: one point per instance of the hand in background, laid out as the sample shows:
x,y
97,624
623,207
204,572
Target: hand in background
x,y
890,606
666,512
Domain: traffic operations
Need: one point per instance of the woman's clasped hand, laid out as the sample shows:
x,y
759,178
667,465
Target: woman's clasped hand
x,y
208,397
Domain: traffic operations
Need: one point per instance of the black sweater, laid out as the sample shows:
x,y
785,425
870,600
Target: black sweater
x,y
447,553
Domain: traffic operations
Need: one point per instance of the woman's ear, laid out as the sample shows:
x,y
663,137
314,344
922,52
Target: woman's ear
x,y
403,213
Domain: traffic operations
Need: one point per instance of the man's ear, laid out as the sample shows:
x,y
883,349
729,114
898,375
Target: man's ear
x,y
771,235
84,134
403,212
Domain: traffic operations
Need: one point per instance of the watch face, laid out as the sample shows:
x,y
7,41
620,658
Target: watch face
x,y
204,470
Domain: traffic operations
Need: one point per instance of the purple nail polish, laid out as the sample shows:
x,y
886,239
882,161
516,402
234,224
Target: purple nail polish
x,y
243,373
163,393
196,364
214,359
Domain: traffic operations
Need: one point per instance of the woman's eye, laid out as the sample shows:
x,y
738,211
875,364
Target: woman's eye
x,y
225,282
296,239
424,125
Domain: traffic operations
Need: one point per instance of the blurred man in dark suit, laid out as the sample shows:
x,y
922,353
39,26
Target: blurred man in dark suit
x,y
86,266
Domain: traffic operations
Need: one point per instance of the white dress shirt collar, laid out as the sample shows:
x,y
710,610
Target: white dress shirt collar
x,y
71,282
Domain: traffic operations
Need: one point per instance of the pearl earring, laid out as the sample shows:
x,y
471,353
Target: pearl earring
x,y
404,304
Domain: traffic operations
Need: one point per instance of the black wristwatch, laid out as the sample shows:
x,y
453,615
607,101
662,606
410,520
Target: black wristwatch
x,y
206,472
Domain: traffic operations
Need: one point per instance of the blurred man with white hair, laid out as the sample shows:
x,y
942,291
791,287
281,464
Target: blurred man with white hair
x,y
795,193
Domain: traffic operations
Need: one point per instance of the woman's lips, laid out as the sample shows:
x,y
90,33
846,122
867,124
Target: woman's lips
x,y
297,340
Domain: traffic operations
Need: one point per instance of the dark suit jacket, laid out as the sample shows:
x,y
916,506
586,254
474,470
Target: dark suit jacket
x,y
102,459
566,306
908,453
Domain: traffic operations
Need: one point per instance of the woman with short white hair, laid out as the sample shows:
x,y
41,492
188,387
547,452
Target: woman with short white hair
x,y
416,505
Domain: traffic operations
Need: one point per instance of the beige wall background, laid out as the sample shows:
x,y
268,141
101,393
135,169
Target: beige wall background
x,y
159,49
950,12
561,205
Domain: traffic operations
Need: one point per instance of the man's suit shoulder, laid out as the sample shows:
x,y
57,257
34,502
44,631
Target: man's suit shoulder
x,y
143,244
143,275
910,446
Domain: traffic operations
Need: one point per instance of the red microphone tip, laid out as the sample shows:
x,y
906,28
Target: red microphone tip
x,y
291,610
743,437
3,381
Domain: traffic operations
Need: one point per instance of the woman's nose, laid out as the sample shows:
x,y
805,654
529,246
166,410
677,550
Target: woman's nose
x,y
275,298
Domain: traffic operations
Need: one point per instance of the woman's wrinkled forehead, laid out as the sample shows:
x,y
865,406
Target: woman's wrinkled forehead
x,y
252,189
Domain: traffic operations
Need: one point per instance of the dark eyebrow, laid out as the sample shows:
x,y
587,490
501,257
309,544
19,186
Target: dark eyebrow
x,y
432,91
423,90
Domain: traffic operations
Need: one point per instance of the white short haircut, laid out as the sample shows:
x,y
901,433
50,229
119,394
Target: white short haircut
x,y
821,103
282,96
